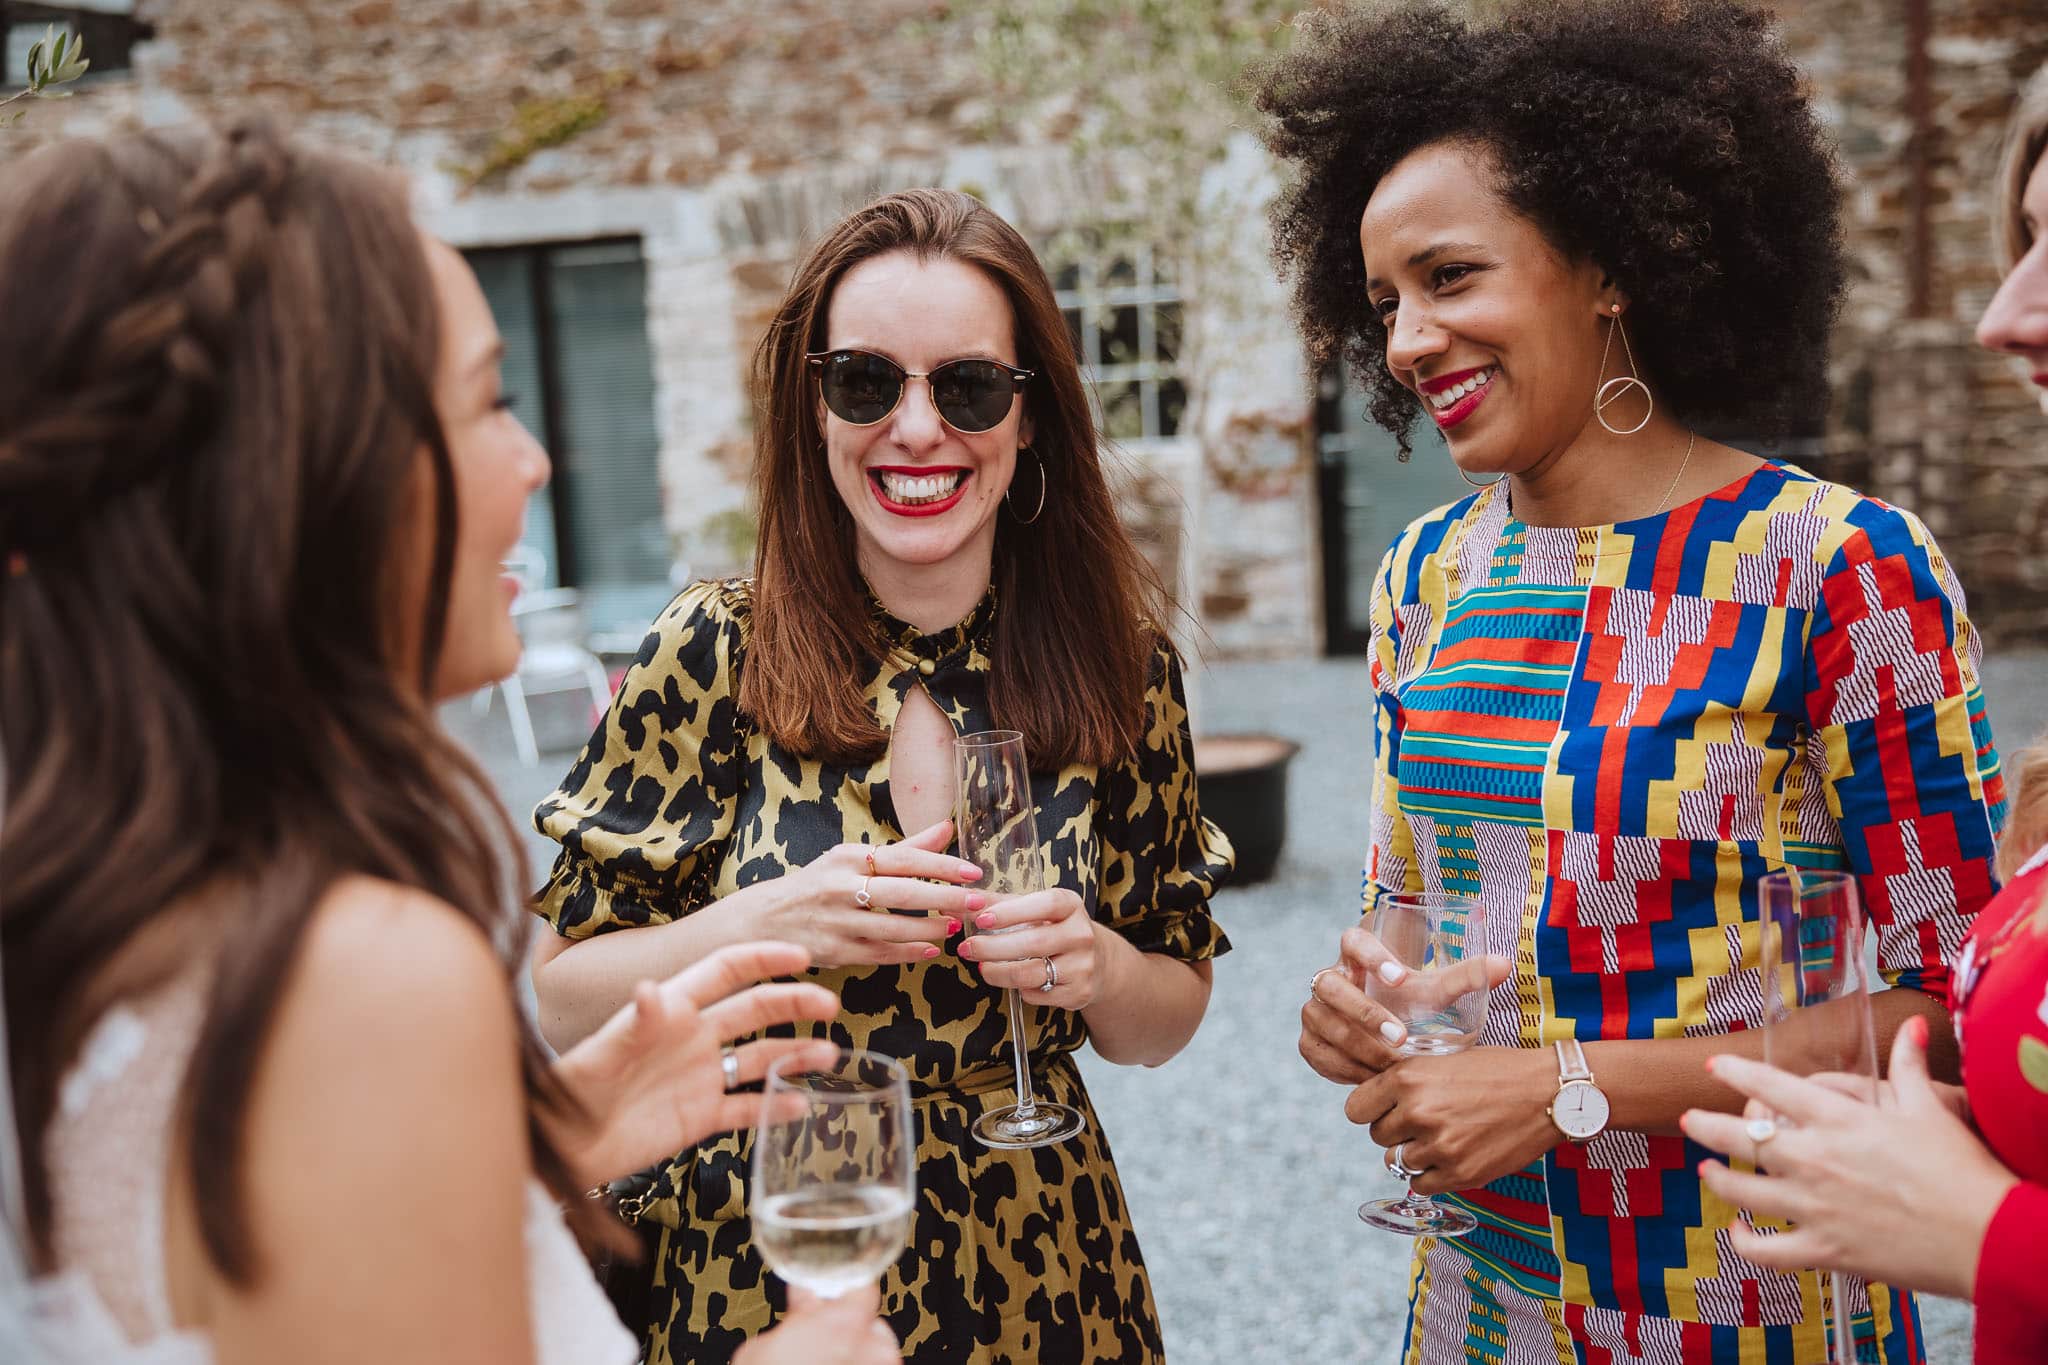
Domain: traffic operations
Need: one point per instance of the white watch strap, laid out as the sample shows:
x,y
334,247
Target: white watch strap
x,y
1571,1061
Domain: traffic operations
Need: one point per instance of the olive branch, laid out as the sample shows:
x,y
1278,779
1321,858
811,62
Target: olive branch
x,y
54,59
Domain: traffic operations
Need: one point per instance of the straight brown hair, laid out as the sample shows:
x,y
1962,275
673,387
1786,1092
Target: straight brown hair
x,y
1072,641
215,388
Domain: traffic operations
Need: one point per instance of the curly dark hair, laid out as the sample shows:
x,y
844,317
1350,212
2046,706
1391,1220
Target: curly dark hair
x,y
1669,141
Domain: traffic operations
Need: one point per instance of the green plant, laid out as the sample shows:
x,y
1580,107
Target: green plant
x,y
537,125
54,59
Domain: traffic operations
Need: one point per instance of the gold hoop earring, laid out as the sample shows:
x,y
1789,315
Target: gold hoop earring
x,y
1039,510
1478,483
1613,390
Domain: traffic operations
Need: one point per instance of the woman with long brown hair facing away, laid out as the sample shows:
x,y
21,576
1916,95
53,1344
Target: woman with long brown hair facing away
x,y
939,554
275,1097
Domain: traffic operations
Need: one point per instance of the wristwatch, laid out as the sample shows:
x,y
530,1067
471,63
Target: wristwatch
x,y
1580,1110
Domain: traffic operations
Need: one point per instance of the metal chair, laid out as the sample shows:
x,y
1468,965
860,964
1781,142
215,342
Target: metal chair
x,y
553,657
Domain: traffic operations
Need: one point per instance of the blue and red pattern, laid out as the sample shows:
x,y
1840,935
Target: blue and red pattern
x,y
1610,734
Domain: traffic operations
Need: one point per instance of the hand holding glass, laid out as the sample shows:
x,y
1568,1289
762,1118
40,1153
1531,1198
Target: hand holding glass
x,y
1817,1006
1441,940
998,831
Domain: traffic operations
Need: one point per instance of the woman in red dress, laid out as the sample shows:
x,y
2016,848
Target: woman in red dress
x,y
1940,1188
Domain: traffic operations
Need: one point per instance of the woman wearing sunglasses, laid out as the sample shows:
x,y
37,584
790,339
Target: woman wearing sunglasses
x,y
939,554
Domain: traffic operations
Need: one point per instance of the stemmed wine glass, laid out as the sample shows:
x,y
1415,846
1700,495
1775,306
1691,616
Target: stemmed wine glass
x,y
834,1171
1817,1004
998,832
1438,938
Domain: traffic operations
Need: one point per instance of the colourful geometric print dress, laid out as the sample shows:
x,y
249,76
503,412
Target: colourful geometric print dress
x,y
1609,734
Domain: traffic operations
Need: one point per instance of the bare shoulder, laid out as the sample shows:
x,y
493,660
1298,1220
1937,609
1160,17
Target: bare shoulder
x,y
387,967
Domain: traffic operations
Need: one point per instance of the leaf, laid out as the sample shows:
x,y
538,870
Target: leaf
x,y
2034,1062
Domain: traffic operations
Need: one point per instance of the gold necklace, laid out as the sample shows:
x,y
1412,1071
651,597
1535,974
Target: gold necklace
x,y
1666,500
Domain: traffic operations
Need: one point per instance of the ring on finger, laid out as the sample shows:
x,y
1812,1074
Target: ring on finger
x,y
1760,1129
1052,976
1397,1164
729,1063
861,897
870,855
1312,984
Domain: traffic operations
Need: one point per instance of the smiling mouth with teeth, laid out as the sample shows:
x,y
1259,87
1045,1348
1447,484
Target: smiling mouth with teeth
x,y
899,488
1444,398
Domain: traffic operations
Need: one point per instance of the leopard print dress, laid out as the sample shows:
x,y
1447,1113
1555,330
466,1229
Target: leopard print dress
x,y
677,800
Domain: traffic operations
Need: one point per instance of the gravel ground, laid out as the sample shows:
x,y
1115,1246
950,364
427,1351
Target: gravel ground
x,y
1240,1168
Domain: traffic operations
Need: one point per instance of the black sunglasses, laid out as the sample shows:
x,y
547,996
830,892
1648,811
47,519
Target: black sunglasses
x,y
971,395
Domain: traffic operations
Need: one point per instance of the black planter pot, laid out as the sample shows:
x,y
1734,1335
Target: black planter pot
x,y
1242,782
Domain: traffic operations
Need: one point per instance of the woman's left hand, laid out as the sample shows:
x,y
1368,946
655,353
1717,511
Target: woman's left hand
x,y
652,1081
1051,926
1901,1193
1465,1119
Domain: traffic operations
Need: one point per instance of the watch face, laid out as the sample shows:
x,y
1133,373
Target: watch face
x,y
1580,1110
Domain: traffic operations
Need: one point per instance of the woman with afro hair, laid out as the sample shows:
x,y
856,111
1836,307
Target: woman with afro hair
x,y
1635,670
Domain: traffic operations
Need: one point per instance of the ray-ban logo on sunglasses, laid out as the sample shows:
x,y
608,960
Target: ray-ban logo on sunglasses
x,y
862,388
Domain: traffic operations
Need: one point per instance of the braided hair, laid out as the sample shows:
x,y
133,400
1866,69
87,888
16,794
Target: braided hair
x,y
216,376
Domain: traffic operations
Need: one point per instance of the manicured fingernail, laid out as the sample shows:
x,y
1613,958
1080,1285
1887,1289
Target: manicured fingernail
x,y
967,948
1391,972
952,926
975,900
1917,1031
987,921
969,872
1710,1064
932,951
1392,1031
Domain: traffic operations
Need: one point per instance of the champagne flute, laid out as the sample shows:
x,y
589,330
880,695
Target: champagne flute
x,y
1817,1003
998,832
834,1171
1441,940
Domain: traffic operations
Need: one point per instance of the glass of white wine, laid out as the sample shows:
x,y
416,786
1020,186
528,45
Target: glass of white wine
x,y
1441,940
835,1182
997,826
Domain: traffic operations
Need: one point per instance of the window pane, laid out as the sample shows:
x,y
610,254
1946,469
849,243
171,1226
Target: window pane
x,y
610,447
1067,277
1173,402
507,280
1120,336
1166,332
1123,411
1122,273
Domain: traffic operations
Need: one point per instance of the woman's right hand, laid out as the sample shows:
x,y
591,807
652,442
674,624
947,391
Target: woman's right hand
x,y
841,1331
815,905
1346,1035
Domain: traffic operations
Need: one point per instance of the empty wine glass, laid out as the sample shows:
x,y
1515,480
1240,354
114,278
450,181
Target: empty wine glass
x,y
998,833
1441,940
1817,1005
834,1171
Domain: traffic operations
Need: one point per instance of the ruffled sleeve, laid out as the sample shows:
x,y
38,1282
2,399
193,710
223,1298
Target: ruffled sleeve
x,y
1161,861
645,814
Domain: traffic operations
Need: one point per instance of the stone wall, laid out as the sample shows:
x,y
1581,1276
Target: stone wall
x,y
723,133
1921,416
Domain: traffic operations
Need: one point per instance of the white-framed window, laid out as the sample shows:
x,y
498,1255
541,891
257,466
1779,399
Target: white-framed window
x,y
1123,310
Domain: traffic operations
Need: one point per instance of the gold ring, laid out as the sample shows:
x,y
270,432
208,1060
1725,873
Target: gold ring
x,y
729,1063
861,897
870,854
